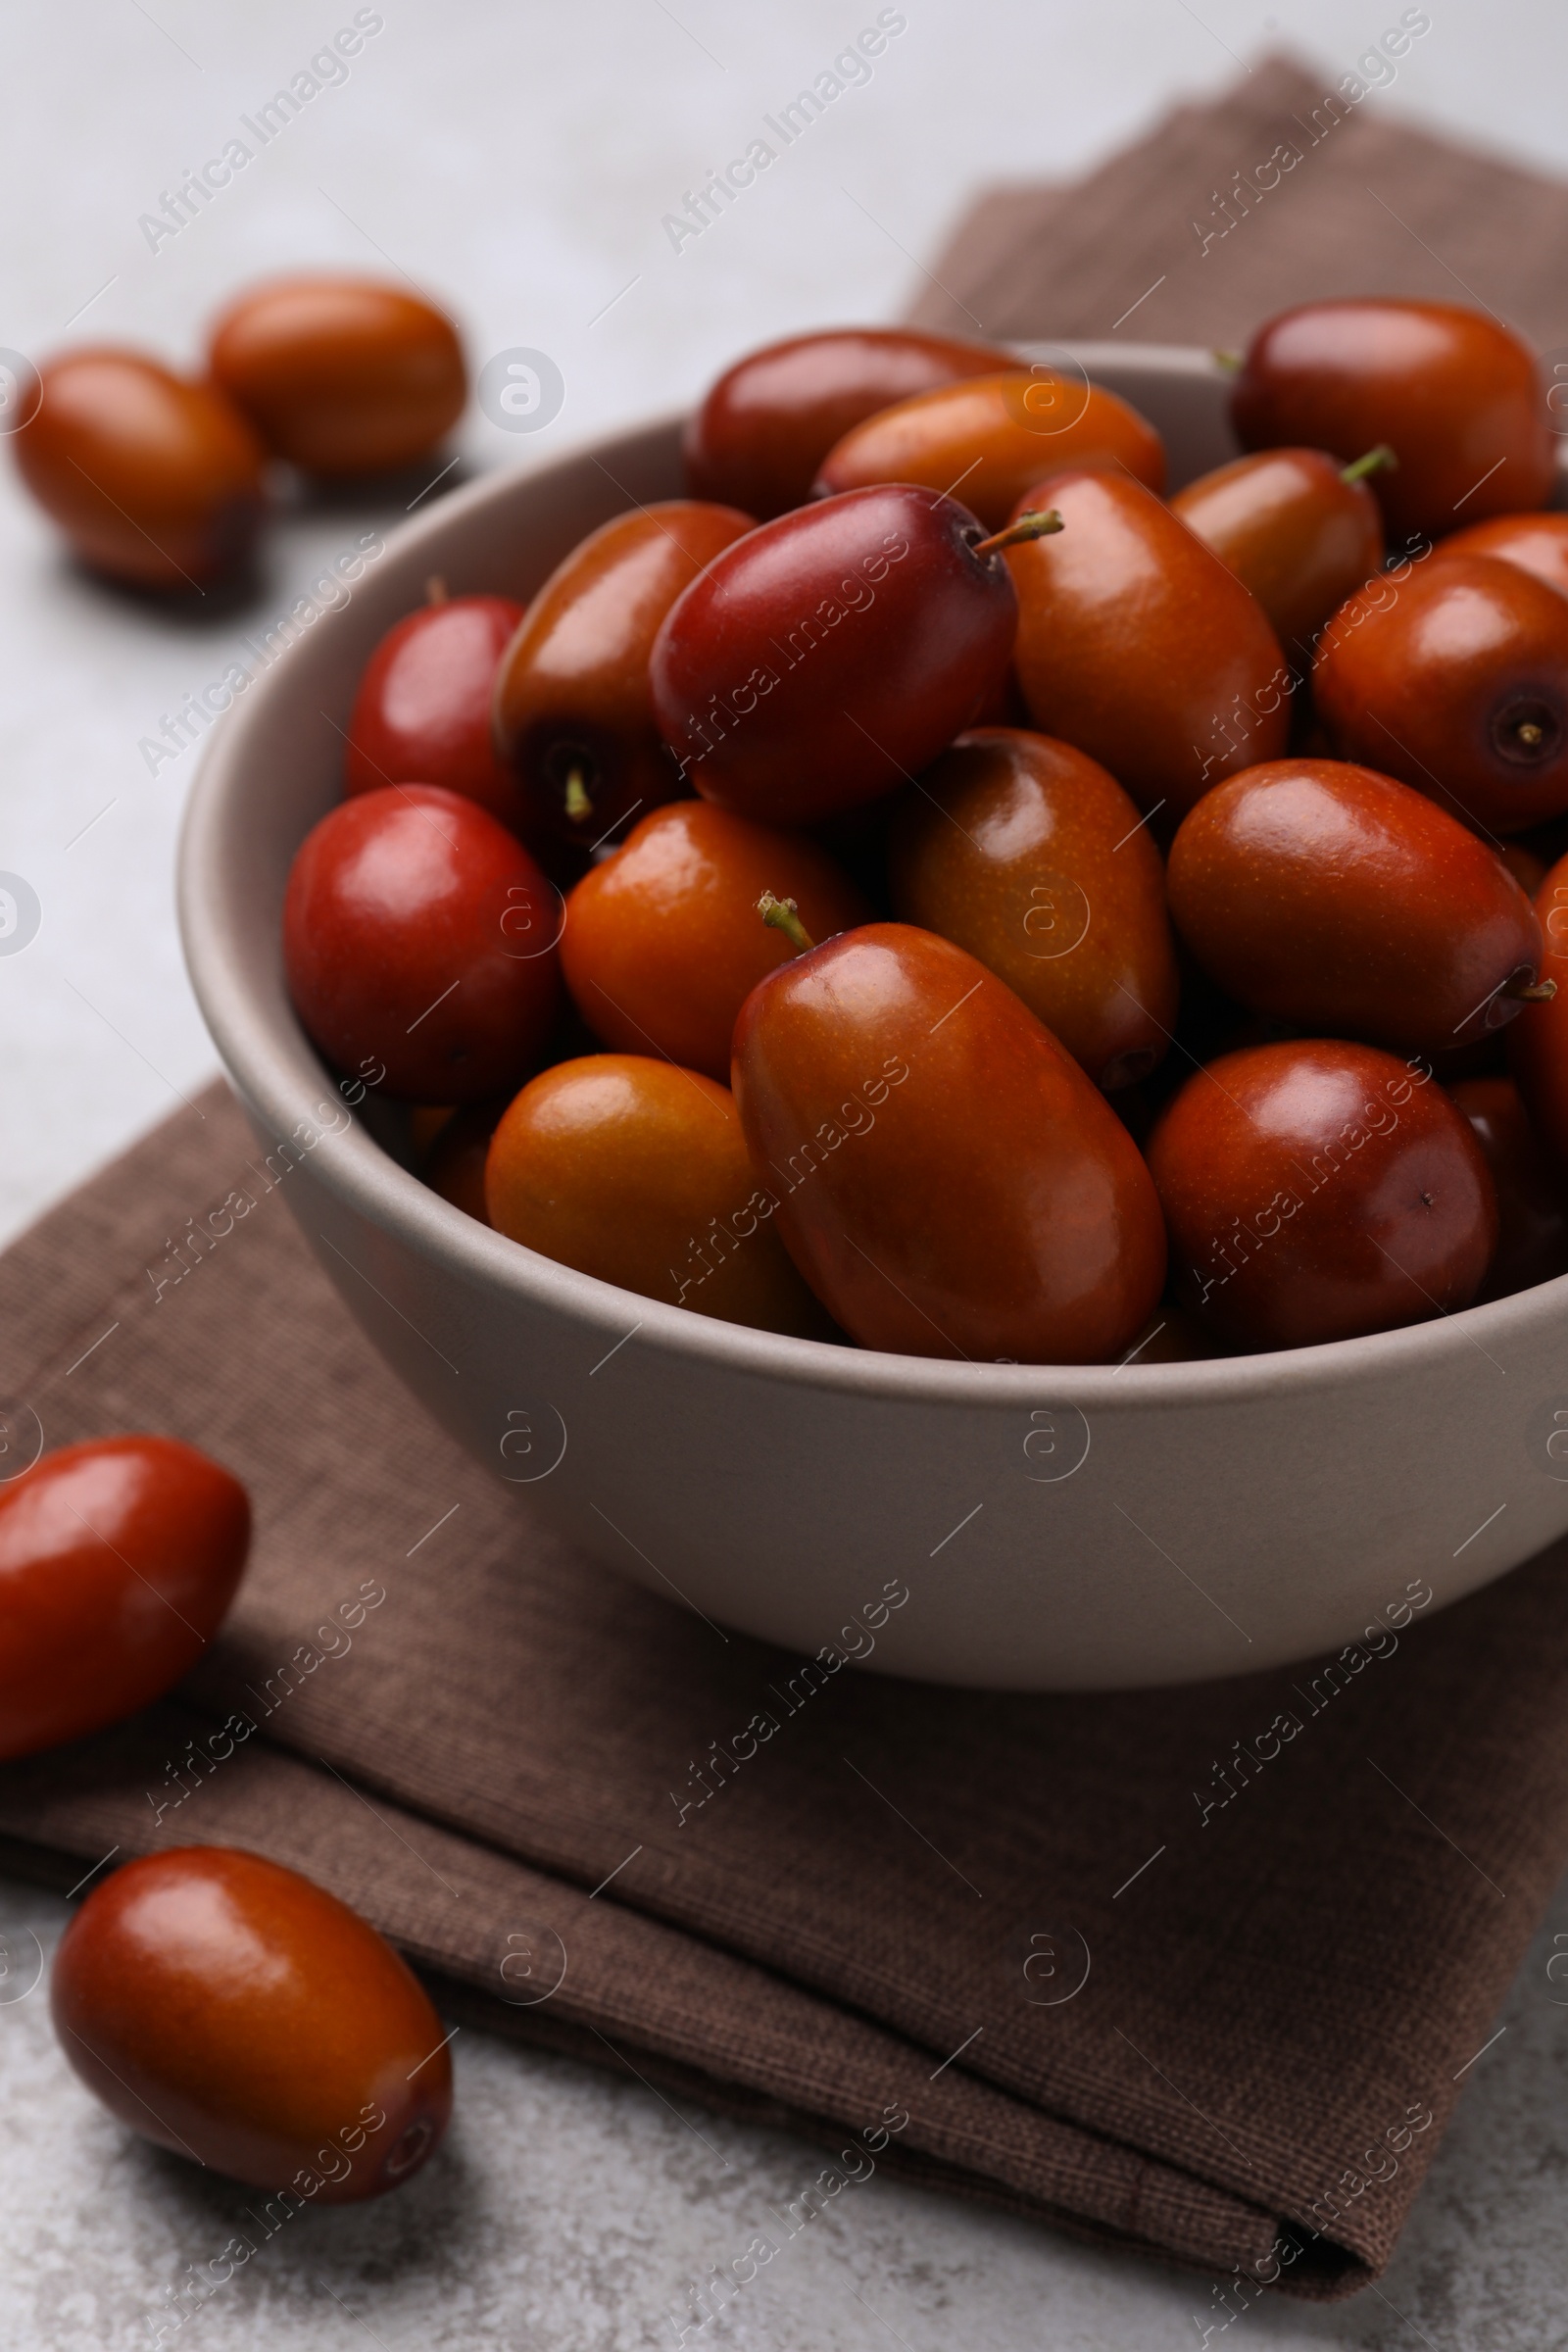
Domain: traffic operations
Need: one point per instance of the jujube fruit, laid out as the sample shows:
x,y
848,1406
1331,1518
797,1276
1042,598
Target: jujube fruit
x,y
1537,543
1138,646
422,714
573,713
636,1171
1532,1193
1027,853
987,440
947,1178
767,424
831,654
1320,1191
663,945
1454,392
419,931
155,479
1299,529
236,2013
1538,1041
118,1559
1343,902
1455,680
341,375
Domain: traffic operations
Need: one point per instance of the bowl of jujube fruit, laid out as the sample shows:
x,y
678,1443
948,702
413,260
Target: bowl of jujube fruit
x,y
932,990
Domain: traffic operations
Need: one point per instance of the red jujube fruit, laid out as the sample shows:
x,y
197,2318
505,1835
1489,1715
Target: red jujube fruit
x,y
764,428
1532,1191
945,1177
1343,902
235,2012
1538,1041
118,1559
831,654
422,714
1455,395
1320,1191
418,932
1299,529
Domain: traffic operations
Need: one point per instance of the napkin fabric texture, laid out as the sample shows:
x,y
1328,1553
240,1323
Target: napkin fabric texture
x,y
1198,1973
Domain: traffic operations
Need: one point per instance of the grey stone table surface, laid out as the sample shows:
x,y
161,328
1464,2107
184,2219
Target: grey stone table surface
x,y
521,159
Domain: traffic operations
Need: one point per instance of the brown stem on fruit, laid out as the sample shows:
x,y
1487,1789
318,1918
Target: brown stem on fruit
x,y
579,807
782,915
1231,362
1528,732
1530,992
435,589
1381,460
1038,523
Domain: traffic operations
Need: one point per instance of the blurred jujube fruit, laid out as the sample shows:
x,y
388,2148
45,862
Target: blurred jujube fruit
x,y
422,714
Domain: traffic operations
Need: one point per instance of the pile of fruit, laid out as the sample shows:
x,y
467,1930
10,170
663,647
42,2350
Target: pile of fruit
x,y
926,888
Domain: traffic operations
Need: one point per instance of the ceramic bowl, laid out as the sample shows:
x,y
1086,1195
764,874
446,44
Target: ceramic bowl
x,y
1021,1528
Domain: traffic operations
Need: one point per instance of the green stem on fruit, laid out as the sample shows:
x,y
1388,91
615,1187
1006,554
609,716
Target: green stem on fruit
x,y
1381,460
579,807
782,915
435,589
1530,992
1037,523
1231,362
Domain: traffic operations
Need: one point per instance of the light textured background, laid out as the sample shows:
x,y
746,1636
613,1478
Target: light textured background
x,y
519,159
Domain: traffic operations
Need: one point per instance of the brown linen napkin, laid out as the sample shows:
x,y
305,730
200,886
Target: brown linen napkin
x,y
1206,227
858,1905
1299,1897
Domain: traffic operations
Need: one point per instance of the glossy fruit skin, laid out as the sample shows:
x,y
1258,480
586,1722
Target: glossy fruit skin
x,y
1344,903
1319,1191
663,942
991,439
422,714
1430,678
636,1171
572,688
1456,395
1532,1194
1292,529
1538,1041
234,2011
1029,856
947,1178
1537,543
1136,644
154,479
341,375
830,655
763,430
420,933
118,1559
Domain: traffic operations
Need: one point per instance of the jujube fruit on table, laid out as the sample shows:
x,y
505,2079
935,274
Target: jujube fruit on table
x,y
830,655
636,1171
573,713
663,945
1454,392
1299,529
1320,1191
1532,1191
236,2013
1027,853
341,375
1537,543
418,932
1136,644
1339,901
1538,1041
1455,680
947,1178
422,714
155,479
118,1559
767,424
987,440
